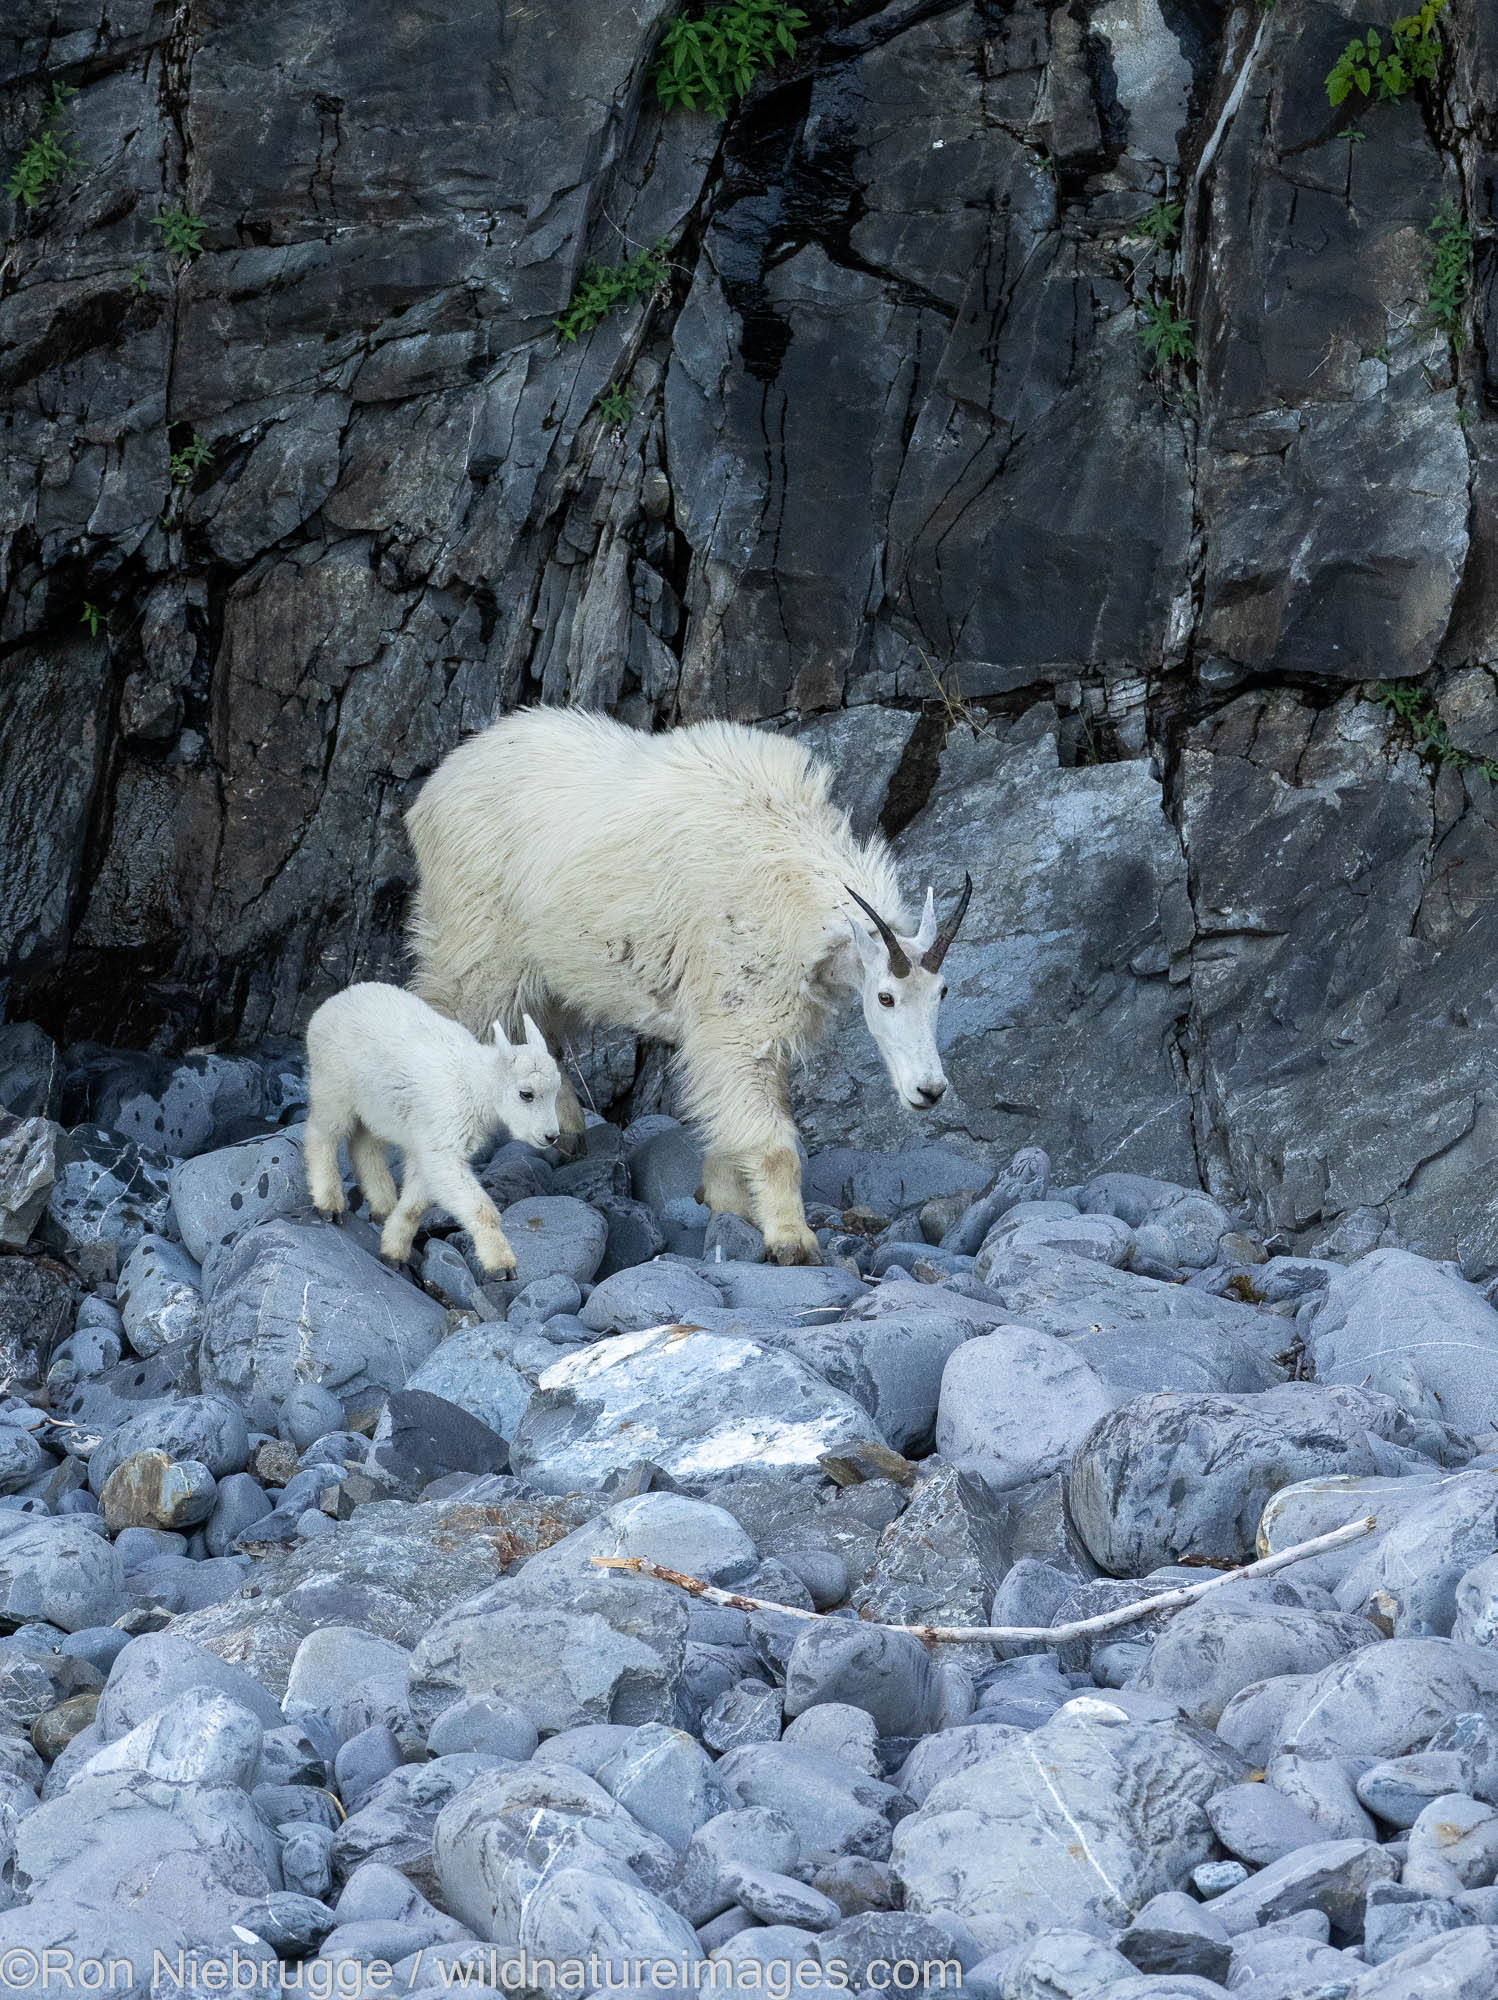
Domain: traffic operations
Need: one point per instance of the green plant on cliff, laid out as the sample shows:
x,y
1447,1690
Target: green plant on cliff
x,y
1411,705
1161,224
47,157
1166,337
617,405
186,464
93,618
1449,276
603,287
1387,69
181,231
709,61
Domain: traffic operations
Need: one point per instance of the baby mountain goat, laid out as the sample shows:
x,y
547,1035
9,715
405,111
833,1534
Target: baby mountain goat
x,y
698,887
385,1070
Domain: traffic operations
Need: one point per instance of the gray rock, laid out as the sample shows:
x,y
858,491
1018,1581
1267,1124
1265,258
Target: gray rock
x,y
30,1073
1063,1961
201,1737
779,1899
1463,1967
130,1938
1332,1876
1476,1620
36,1310
448,1278
653,1295
824,1575
748,1712
1015,1404
669,1528
1387,1699
1312,1507
782,1290
1061,1294
696,1405
28,1171
155,1670
347,1678
1077,1821
729,1238
665,1781
196,1850
1027,1178
160,1295
834,1809
506,1832
1257,1824
542,1299
1453,1845
1413,1329
151,1490
471,1369
59,1569
950,1752
554,1236
1398,1790
217,1196
294,1302
748,1837
892,1366
889,1674
210,1429
1411,1576
486,1723
106,1195
635,1235
1167,1476
665,1166
307,1860
1211,1651
421,1437
1174,1933
309,1412
609,1650
838,1730
1323,1790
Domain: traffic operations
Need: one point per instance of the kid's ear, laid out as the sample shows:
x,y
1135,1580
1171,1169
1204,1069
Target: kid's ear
x,y
501,1039
533,1035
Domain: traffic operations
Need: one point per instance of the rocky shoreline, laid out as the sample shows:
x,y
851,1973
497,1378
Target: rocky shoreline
x,y
307,1657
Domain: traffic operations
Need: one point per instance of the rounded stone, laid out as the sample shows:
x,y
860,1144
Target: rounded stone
x,y
151,1490
554,1235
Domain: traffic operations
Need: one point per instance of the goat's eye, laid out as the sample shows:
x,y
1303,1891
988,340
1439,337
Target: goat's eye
x,y
943,994
527,1097
886,999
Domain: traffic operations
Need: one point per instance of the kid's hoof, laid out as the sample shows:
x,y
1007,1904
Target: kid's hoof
x,y
800,1247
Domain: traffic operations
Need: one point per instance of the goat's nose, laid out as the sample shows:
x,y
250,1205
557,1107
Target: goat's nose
x,y
552,1138
931,1093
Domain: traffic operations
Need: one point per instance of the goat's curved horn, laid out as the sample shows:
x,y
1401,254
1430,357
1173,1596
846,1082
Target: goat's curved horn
x,y
899,964
933,958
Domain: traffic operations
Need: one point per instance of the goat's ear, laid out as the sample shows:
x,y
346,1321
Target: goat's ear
x,y
925,937
533,1035
500,1038
871,952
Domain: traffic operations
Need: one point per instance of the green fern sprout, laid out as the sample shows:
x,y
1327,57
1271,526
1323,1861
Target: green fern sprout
x,y
1391,69
1412,706
93,618
181,232
1161,224
617,405
1166,337
139,281
604,287
187,463
1450,274
707,63
46,158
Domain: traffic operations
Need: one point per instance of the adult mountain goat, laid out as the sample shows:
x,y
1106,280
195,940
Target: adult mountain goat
x,y
698,887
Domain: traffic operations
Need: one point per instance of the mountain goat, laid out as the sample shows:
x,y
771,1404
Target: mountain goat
x,y
698,887
384,1069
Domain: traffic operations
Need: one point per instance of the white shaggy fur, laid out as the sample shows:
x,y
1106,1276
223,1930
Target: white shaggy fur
x,y
385,1069
690,886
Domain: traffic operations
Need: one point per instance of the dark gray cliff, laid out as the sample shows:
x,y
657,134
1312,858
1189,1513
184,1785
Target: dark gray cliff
x,y
898,472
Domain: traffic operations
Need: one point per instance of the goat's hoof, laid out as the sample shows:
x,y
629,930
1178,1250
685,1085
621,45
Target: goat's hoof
x,y
329,1205
797,1246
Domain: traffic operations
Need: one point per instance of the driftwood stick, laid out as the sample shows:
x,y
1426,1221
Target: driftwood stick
x,y
987,1635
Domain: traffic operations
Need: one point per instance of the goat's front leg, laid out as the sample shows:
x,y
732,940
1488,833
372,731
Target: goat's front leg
x,y
744,1105
724,1189
453,1184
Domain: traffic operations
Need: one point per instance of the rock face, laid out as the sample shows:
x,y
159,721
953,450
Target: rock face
x,y
893,469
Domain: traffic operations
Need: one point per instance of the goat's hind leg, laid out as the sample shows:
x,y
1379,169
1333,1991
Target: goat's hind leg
x,y
399,1233
328,1125
724,1188
371,1161
455,1186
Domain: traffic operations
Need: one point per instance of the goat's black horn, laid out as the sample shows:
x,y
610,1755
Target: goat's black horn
x,y
938,949
899,964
